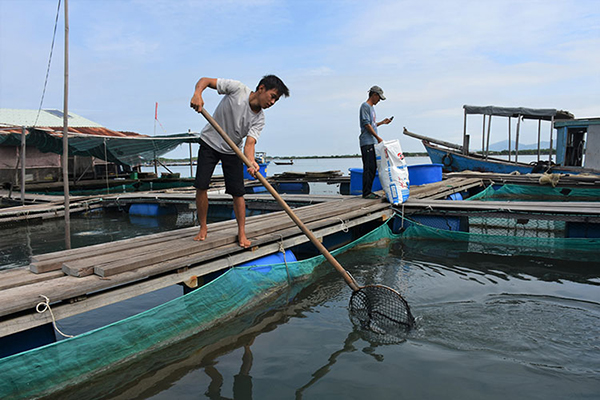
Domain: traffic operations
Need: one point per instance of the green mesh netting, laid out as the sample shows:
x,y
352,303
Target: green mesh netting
x,y
140,186
536,193
508,237
53,367
120,150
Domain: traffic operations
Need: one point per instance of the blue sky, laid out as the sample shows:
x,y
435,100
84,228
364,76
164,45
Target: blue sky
x,y
430,57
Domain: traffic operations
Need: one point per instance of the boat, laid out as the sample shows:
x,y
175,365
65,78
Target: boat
x,y
290,162
574,139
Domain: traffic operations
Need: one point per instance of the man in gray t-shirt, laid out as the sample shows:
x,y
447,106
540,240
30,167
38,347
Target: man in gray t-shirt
x,y
369,138
240,114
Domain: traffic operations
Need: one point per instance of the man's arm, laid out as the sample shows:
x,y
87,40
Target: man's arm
x,y
384,122
372,132
197,102
249,153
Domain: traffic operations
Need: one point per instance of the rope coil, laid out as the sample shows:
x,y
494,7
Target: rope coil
x,y
44,306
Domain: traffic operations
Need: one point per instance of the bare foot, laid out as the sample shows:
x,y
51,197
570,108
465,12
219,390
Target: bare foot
x,y
244,242
202,234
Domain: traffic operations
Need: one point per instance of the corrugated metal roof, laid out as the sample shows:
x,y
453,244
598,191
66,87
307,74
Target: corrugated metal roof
x,y
52,118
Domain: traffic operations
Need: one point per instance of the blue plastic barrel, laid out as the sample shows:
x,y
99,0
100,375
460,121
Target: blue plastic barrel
x,y
151,209
262,168
263,264
356,176
421,174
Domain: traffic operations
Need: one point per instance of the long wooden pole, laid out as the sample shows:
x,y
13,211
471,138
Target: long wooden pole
x,y
65,155
23,159
349,280
191,159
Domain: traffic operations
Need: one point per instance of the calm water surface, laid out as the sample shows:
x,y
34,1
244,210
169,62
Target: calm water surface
x,y
488,326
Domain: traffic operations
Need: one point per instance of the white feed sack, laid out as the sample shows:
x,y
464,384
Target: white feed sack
x,y
393,171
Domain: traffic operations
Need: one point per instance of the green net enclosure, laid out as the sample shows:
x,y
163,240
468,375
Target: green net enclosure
x,y
51,368
542,235
514,192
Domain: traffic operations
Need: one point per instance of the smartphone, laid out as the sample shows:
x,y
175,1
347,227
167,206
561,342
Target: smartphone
x,y
391,118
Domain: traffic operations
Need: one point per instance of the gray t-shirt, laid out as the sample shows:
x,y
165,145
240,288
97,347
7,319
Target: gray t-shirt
x,y
235,116
367,116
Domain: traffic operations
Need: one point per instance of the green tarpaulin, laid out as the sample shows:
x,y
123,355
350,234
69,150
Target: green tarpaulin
x,y
119,150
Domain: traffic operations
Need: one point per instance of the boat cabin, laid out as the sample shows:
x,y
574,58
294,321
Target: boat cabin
x,y
576,138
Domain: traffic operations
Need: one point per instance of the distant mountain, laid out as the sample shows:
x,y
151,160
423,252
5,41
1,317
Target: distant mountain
x,y
499,146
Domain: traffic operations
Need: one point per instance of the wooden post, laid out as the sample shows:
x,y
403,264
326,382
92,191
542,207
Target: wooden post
x,y
65,155
517,138
551,127
487,147
465,149
539,139
509,144
191,160
483,136
23,132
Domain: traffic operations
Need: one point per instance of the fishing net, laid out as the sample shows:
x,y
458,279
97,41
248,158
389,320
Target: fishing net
x,y
381,311
514,192
541,235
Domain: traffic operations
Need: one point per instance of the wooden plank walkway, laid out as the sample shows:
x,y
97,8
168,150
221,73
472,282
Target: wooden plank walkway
x,y
533,207
47,207
581,180
82,279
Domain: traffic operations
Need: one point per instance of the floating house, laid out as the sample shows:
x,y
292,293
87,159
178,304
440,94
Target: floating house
x,y
94,151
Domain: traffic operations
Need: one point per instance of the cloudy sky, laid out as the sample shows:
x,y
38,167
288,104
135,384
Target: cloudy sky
x,y
430,57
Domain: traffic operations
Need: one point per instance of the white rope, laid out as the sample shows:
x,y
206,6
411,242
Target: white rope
x,y
402,223
44,306
344,226
287,270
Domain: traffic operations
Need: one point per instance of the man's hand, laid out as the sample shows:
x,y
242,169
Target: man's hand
x,y
254,169
197,102
386,121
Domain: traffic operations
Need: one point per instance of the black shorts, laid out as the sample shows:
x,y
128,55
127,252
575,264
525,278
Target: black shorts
x,y
233,170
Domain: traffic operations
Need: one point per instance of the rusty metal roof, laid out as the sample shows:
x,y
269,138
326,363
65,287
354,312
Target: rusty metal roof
x,y
11,121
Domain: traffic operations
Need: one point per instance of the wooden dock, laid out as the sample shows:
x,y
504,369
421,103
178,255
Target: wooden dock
x,y
47,207
83,279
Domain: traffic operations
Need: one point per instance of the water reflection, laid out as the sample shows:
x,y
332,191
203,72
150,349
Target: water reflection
x,y
348,347
242,382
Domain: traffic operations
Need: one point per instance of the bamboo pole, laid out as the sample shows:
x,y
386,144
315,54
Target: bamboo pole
x,y
517,138
487,147
65,155
539,139
23,132
509,138
191,160
465,149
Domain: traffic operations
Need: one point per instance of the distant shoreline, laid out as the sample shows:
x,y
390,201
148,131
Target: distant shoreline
x,y
406,154
187,160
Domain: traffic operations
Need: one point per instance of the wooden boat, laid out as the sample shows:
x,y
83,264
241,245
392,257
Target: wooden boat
x,y
577,144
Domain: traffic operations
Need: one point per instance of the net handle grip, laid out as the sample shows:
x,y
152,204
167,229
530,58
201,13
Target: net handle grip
x,y
322,249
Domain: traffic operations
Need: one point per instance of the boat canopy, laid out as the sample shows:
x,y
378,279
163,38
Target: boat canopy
x,y
120,150
529,113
